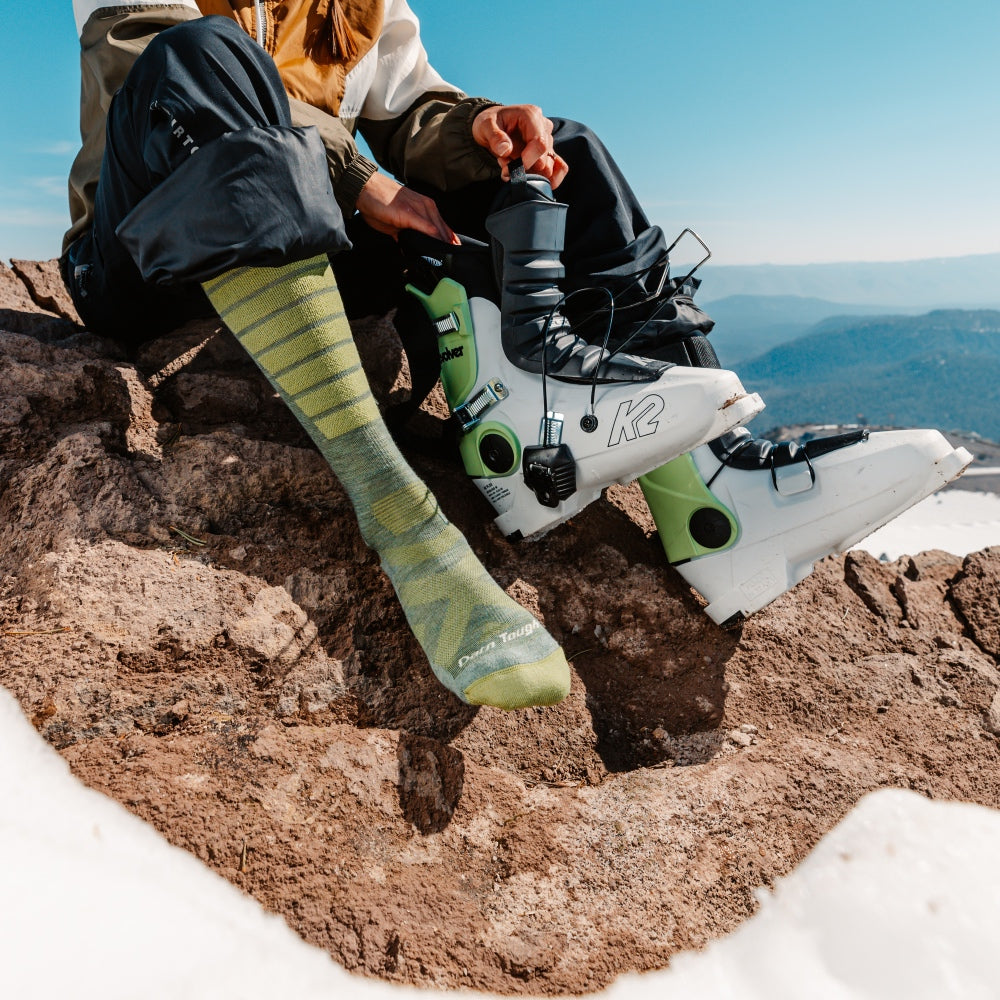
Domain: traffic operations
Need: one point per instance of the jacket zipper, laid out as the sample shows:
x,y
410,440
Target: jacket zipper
x,y
260,17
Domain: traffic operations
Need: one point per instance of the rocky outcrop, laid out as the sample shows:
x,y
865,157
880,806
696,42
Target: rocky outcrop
x,y
188,613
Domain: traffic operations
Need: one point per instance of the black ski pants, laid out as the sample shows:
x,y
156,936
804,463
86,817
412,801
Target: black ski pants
x,y
167,215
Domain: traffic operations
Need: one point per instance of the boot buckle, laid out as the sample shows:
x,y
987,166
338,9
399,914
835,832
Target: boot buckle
x,y
447,324
791,475
471,412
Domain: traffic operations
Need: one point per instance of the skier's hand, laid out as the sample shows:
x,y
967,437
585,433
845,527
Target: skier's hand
x,y
520,131
388,207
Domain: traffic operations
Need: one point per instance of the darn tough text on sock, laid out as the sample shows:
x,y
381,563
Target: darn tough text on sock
x,y
504,637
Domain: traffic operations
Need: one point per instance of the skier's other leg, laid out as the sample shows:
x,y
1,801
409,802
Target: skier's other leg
x,y
481,643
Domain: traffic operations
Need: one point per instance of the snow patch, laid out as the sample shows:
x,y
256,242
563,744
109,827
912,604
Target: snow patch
x,y
957,521
901,899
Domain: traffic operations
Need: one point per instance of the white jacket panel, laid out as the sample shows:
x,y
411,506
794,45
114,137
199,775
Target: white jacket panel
x,y
401,73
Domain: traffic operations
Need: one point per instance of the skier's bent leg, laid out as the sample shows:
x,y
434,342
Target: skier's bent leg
x,y
193,84
481,643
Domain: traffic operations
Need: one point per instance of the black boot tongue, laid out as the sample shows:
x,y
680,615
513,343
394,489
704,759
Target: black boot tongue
x,y
591,357
561,345
528,233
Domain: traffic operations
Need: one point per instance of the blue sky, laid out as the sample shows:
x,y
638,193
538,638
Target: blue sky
x,y
783,132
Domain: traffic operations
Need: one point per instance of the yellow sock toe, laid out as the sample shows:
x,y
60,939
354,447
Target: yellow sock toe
x,y
544,682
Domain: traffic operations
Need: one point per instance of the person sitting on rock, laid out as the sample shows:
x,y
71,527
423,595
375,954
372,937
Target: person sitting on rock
x,y
219,171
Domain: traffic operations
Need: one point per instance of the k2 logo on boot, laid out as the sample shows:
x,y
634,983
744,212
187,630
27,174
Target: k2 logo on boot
x,y
635,420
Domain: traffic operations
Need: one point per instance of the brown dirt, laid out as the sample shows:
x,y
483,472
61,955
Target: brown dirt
x,y
189,615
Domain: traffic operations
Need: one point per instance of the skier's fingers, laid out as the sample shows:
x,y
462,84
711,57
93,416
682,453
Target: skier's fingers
x,y
497,141
489,133
531,154
520,130
501,144
535,131
560,168
552,168
430,221
550,165
530,121
388,207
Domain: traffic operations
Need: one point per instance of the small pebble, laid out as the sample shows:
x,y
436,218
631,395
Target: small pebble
x,y
993,716
180,710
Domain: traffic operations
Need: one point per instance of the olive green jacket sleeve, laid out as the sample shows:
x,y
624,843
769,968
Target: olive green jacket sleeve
x,y
349,170
432,142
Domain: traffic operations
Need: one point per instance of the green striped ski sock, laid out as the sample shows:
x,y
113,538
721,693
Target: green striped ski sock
x,y
481,644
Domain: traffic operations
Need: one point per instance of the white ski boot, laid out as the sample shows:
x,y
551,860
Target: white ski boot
x,y
743,521
547,420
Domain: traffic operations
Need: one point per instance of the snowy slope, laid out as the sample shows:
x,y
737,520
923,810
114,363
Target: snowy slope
x,y
900,900
958,521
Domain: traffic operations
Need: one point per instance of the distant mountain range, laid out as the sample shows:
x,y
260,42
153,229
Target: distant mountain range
x,y
940,369
748,325
971,282
758,307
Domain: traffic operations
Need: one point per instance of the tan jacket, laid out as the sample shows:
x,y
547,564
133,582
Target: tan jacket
x,y
346,64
